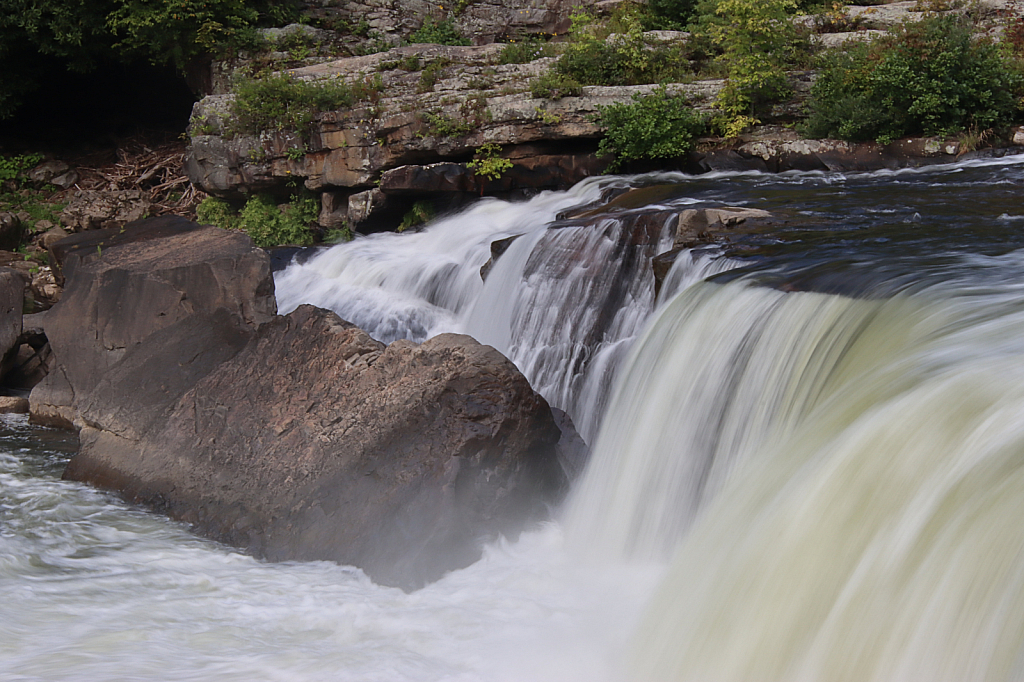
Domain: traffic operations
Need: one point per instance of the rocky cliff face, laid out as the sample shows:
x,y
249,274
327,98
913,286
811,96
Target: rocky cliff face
x,y
393,144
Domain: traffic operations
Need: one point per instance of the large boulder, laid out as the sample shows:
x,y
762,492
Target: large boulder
x,y
130,284
12,298
315,441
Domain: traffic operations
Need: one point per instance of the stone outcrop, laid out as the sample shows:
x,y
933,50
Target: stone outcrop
x,y
123,286
12,299
401,144
316,442
704,226
93,210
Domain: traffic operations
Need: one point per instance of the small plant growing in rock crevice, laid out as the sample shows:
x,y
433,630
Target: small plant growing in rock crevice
x,y
283,102
431,74
440,125
524,51
421,212
553,85
488,164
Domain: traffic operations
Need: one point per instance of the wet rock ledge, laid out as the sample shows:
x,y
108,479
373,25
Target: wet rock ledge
x,y
294,437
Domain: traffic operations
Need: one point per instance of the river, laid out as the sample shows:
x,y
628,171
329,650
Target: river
x,y
808,459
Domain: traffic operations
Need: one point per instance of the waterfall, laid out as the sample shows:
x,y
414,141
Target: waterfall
x,y
839,482
563,302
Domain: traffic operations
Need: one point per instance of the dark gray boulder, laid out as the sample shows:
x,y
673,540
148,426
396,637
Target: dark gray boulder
x,y
314,441
12,300
122,286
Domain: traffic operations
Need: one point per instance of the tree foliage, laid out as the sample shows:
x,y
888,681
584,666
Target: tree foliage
x,y
932,77
79,34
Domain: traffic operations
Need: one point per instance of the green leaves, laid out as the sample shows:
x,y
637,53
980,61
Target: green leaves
x,y
488,164
757,42
283,102
438,32
930,78
653,126
175,31
265,222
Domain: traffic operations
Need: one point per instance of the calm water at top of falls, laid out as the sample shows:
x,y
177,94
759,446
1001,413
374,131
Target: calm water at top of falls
x,y
807,468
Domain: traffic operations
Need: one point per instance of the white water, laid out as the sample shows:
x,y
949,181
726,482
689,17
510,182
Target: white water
x,y
870,527
564,304
786,486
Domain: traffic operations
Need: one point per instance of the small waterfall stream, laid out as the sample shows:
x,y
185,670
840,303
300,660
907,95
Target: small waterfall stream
x,y
808,459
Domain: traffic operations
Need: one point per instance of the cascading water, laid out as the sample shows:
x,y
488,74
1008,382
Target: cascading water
x,y
563,302
864,461
809,467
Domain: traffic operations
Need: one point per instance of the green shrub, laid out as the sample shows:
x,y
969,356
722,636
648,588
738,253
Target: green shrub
x,y
653,126
625,59
214,211
554,85
440,125
488,164
758,41
932,78
524,51
267,224
283,102
668,15
175,31
12,166
438,32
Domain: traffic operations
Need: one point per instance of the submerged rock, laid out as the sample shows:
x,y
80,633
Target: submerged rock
x,y
315,441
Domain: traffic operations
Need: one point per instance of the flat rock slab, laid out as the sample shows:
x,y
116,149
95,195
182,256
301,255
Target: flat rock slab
x,y
317,442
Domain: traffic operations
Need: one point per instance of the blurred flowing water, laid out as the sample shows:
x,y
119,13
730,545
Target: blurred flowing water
x,y
807,457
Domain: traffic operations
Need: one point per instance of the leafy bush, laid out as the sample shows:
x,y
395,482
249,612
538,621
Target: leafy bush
x,y
668,15
653,126
440,125
175,31
758,41
283,102
80,34
12,166
267,224
486,162
623,59
524,51
214,211
438,32
932,77
553,85
421,212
